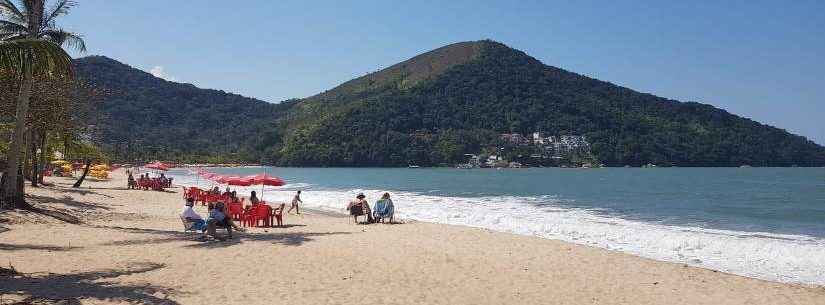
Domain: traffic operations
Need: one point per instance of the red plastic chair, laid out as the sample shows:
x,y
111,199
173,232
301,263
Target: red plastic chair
x,y
248,217
278,214
236,211
265,214
258,214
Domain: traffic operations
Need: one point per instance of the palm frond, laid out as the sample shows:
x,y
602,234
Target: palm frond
x,y
9,10
8,28
64,38
12,36
60,8
38,56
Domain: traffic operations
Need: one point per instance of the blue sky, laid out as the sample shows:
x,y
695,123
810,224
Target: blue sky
x,y
760,59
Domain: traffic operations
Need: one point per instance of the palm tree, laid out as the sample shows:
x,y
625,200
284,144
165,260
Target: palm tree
x,y
30,46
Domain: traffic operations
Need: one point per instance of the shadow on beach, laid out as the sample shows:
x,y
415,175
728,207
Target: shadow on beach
x,y
167,236
71,288
14,247
70,202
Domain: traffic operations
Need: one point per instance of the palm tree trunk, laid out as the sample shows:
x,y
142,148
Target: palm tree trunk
x,y
83,176
13,192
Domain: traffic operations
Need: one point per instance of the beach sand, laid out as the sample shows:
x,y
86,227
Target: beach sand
x,y
130,248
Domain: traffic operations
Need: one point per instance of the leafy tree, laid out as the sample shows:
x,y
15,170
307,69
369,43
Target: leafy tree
x,y
30,48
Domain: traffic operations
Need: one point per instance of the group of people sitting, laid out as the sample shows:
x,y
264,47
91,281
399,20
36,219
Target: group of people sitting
x,y
218,216
384,209
145,182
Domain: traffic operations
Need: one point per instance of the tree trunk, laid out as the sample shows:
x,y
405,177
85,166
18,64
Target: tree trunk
x,y
43,142
13,192
35,165
85,171
27,168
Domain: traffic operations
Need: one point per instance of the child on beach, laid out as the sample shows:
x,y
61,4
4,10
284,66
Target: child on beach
x,y
295,200
130,184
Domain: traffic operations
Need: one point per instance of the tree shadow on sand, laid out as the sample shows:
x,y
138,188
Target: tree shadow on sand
x,y
167,236
70,202
95,285
82,191
50,212
20,247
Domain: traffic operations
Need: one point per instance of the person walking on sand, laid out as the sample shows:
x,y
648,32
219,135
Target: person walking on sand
x,y
130,184
295,200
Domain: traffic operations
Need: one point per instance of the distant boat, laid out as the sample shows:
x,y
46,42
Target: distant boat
x,y
744,166
414,166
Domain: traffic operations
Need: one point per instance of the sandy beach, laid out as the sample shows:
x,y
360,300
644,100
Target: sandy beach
x,y
128,246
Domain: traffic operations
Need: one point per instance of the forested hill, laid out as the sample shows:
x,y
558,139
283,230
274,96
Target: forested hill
x,y
145,117
492,89
429,110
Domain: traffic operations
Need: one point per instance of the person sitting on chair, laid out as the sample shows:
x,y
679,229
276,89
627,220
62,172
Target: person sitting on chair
x,y
190,215
384,208
253,199
217,217
359,207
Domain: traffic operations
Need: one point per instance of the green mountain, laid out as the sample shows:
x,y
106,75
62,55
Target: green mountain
x,y
145,117
434,108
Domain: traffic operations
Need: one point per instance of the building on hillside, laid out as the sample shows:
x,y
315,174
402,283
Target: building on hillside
x,y
566,145
514,138
492,161
539,138
472,161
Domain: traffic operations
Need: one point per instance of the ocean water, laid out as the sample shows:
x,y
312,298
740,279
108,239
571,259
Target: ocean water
x,y
766,223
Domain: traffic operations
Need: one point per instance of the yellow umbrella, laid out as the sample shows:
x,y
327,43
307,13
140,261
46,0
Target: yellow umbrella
x,y
60,162
101,167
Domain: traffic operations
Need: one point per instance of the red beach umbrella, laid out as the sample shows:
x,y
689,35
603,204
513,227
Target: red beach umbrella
x,y
265,179
157,166
220,179
226,179
238,181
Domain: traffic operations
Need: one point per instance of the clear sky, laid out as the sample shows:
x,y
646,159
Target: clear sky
x,y
760,59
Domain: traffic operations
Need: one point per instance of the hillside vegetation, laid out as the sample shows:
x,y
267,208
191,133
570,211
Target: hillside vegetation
x,y
431,110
